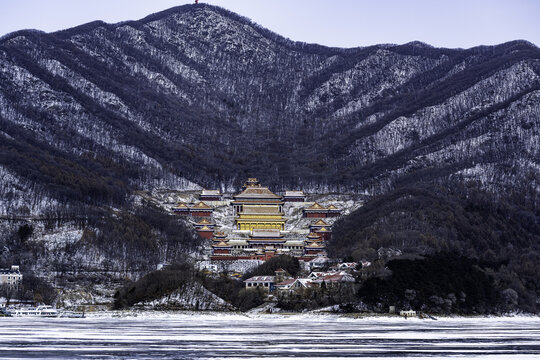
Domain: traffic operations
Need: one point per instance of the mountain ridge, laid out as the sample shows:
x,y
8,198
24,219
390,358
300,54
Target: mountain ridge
x,y
159,96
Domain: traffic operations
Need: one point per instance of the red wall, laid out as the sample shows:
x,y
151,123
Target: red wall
x,y
315,215
201,213
222,251
206,234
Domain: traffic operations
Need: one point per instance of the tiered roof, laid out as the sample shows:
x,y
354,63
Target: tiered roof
x,y
256,193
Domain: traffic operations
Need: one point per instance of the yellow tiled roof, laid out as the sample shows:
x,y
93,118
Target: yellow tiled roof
x,y
316,206
221,244
258,193
321,222
201,205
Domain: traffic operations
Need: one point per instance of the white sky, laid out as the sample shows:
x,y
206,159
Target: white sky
x,y
343,23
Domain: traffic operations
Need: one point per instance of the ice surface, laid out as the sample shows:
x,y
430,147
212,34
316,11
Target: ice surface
x,y
217,335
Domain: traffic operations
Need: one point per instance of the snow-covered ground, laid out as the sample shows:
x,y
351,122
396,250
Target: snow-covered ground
x,y
215,335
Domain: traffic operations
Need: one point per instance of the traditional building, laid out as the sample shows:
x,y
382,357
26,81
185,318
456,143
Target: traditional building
x,y
222,248
294,196
319,211
313,238
315,211
204,222
11,277
265,282
251,182
255,194
181,209
205,232
333,211
219,236
201,210
267,239
324,233
260,217
256,207
315,249
319,224
211,195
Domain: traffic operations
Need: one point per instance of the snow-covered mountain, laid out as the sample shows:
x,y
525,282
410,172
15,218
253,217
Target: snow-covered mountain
x,y
198,96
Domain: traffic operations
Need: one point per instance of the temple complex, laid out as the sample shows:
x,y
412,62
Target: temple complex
x,y
258,220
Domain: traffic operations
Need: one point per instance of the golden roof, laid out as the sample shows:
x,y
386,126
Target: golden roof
x,y
205,228
181,205
204,221
257,193
323,229
219,234
313,235
314,245
316,206
321,222
221,244
201,205
332,207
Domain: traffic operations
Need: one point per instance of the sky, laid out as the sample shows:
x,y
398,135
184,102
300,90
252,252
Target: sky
x,y
341,23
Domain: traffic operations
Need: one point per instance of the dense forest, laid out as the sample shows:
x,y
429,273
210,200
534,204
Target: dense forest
x,y
498,234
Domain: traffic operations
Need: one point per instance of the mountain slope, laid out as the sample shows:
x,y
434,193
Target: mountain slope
x,y
199,95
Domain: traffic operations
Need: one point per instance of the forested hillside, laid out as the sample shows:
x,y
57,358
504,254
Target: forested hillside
x,y
197,95
500,236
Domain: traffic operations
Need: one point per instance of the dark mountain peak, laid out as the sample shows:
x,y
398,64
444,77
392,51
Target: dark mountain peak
x,y
20,33
419,44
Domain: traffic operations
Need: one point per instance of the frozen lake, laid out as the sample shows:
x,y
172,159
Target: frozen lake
x,y
221,336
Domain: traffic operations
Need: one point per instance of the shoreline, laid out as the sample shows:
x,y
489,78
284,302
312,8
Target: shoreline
x,y
121,314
